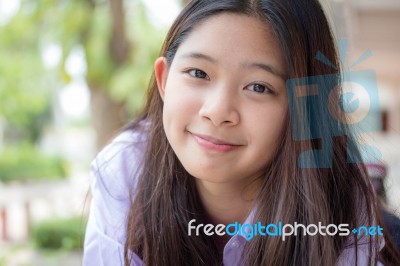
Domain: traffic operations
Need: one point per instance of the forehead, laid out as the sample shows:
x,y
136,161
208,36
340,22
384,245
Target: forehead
x,y
231,37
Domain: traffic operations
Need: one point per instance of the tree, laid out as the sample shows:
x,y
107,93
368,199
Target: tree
x,y
121,76
118,66
107,113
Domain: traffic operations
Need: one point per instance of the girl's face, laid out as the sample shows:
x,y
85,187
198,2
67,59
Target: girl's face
x,y
224,99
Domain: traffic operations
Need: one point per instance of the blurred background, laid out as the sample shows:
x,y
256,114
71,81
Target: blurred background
x,y
72,72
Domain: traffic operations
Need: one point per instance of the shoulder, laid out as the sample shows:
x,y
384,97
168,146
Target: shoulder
x,y
115,172
119,163
361,253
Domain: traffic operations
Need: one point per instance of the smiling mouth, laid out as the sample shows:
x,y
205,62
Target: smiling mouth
x,y
214,144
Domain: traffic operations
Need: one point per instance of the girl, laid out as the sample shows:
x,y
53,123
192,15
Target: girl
x,y
214,146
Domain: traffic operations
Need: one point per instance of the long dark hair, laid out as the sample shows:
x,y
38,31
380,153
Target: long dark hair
x,y
167,199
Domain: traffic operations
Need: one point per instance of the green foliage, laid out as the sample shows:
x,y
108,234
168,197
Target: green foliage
x,y
129,83
98,58
25,89
28,89
26,164
67,234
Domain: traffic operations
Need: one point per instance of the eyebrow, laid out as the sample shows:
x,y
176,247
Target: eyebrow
x,y
266,67
199,56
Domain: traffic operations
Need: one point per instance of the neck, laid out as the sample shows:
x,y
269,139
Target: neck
x,y
226,203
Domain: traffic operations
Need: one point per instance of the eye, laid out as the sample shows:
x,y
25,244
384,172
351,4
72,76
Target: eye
x,y
197,73
259,88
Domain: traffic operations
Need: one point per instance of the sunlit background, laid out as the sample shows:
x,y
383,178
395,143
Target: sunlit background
x,y
72,72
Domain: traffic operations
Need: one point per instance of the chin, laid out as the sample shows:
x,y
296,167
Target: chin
x,y
208,176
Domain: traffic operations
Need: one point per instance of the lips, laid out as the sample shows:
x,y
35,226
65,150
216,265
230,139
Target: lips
x,y
211,143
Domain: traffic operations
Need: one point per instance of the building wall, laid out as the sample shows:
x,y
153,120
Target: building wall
x,y
375,25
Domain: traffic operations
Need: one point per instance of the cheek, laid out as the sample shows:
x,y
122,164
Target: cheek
x,y
180,104
267,126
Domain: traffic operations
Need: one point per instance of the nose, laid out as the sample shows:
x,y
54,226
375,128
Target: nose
x,y
219,107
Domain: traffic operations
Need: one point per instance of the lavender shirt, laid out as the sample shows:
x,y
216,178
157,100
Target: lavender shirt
x,y
111,190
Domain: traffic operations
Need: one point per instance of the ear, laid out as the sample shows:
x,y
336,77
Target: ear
x,y
161,73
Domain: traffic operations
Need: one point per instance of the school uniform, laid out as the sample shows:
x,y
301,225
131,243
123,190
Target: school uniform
x,y
112,187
